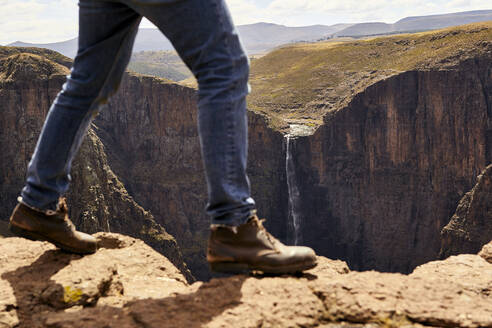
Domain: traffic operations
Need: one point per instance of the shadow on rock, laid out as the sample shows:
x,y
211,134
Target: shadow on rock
x,y
33,289
190,310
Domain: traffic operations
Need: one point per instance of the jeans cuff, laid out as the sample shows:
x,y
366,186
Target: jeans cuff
x,y
45,212
233,220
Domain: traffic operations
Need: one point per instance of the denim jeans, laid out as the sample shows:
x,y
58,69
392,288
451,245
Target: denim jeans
x,y
204,36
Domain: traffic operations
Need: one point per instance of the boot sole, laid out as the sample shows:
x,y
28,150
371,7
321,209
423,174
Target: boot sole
x,y
31,235
237,267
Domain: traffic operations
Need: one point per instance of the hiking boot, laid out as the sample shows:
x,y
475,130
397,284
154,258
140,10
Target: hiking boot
x,y
249,247
54,227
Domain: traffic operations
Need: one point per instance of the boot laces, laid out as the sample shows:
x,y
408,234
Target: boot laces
x,y
259,223
62,205
62,210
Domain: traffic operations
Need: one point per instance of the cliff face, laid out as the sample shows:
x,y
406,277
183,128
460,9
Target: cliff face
x,y
381,177
471,226
28,84
98,201
396,150
127,284
150,132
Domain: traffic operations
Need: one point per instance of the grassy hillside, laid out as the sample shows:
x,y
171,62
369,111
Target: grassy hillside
x,y
52,55
302,82
31,64
166,64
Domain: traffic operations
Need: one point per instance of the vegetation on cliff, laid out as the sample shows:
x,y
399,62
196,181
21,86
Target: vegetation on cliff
x,y
41,52
164,64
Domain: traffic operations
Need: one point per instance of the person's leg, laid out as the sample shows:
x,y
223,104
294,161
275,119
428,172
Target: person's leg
x,y
205,37
106,34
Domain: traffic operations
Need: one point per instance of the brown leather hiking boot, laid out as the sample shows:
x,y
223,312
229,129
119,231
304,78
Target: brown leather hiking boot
x,y
250,247
56,228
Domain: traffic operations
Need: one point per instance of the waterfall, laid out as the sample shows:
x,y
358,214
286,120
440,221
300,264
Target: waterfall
x,y
293,190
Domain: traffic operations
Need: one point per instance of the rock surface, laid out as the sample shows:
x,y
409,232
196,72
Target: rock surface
x,y
471,226
37,278
127,284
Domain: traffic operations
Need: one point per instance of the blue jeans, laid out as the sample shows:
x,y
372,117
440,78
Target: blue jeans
x,y
203,34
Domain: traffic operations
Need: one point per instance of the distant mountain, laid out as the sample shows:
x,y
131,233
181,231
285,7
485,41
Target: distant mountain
x,y
147,39
261,37
256,38
166,64
417,23
67,48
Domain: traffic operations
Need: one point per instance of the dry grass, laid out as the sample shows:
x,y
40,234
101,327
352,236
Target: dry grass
x,y
52,55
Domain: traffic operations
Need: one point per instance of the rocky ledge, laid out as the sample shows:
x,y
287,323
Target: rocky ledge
x,y
127,284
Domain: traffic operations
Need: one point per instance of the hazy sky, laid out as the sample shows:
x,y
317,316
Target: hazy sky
x,y
42,21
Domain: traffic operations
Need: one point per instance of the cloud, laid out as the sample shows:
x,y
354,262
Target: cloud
x,y
351,11
38,20
43,21
248,11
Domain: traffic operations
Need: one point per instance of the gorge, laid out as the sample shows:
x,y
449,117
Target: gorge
x,y
388,149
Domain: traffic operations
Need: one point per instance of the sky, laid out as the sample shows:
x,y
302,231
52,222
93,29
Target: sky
x,y
44,21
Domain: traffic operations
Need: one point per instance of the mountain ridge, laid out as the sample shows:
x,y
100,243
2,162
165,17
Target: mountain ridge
x,y
262,36
416,23
257,38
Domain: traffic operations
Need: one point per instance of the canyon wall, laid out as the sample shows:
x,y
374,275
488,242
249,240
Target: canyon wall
x,y
381,177
97,199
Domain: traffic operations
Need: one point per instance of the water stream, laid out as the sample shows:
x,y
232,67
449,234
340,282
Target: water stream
x,y
293,190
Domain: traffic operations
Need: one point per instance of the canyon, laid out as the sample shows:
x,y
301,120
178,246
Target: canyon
x,y
386,153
